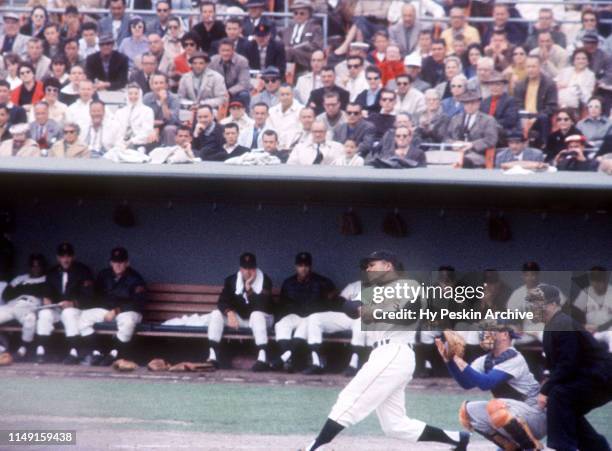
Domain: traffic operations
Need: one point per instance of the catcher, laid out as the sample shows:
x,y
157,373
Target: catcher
x,y
512,419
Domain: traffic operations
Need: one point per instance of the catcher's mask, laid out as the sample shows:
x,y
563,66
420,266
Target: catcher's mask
x,y
487,339
538,297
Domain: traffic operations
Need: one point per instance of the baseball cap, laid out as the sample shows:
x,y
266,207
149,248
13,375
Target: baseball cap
x,y
262,30
303,258
271,72
248,261
516,135
387,256
531,266
544,292
65,248
236,103
119,255
575,138
10,16
590,36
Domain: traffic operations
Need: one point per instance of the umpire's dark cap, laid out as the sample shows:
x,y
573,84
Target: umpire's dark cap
x,y
248,261
119,255
303,258
550,293
65,248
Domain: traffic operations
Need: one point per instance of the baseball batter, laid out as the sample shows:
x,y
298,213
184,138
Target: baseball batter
x,y
512,419
381,383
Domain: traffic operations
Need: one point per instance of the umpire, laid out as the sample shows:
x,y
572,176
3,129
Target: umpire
x,y
580,375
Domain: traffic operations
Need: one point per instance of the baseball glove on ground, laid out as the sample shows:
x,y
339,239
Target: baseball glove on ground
x,y
455,344
192,366
124,365
158,365
5,359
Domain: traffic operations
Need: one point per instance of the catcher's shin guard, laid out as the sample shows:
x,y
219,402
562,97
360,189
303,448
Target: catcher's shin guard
x,y
501,441
464,417
517,428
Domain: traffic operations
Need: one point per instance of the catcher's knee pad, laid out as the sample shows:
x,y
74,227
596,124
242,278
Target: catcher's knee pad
x,y
464,417
498,413
516,427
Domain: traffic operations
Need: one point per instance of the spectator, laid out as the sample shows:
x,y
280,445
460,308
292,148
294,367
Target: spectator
x,y
161,24
184,139
555,143
102,131
577,82
272,82
71,52
406,32
251,137
404,148
459,48
434,121
70,93
545,24
156,47
59,70
599,62
35,56
354,81
452,68
452,106
235,70
117,24
244,302
71,21
380,42
19,145
142,76
515,32
304,134
553,57
357,129
499,50
30,91
78,111
333,117
4,123
501,105
107,68
11,63
135,44
476,131
172,38
384,119
270,145
590,22
412,63
572,157
165,107
474,53
207,134
51,39
230,147
484,70
255,17
516,152
284,116
310,81
202,84
11,41
423,47
209,29
369,99
410,100
237,115
35,26
459,25
433,66
351,155
17,114
319,151
264,51
70,146
595,127
392,66
516,71
43,130
136,120
385,147
189,43
233,32
328,79
88,43
303,36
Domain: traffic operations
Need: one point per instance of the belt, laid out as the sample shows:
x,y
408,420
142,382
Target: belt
x,y
387,341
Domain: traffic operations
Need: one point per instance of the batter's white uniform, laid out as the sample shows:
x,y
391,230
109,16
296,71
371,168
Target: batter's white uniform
x,y
380,385
23,308
598,309
258,322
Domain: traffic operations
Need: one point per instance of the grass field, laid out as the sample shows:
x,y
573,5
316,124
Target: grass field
x,y
121,413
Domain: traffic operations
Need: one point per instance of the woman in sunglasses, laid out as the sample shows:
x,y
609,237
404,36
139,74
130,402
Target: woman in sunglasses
x,y
565,123
30,91
516,71
136,43
172,38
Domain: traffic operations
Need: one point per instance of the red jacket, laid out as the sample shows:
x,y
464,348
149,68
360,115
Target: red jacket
x,y
390,70
38,95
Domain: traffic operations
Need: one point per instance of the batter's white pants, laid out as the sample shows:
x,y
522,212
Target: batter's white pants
x,y
380,385
291,326
535,417
46,321
258,322
126,322
331,322
24,312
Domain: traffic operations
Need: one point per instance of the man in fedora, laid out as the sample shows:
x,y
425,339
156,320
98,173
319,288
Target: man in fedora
x,y
20,145
516,152
107,68
500,104
303,36
11,40
255,18
202,83
475,130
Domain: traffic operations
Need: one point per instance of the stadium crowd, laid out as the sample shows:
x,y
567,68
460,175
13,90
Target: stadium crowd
x,y
384,88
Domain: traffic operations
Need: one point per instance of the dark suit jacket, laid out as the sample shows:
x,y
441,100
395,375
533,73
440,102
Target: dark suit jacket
x,y
219,153
362,98
206,37
432,72
248,28
206,147
17,115
316,98
242,47
139,78
547,95
363,135
506,111
117,73
275,56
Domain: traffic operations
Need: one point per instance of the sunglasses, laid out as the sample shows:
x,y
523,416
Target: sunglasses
x,y
354,113
69,132
402,83
189,44
162,10
353,66
271,80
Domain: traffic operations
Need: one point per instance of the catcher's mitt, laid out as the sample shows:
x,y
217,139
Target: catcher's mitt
x,y
6,359
192,366
455,344
124,365
158,365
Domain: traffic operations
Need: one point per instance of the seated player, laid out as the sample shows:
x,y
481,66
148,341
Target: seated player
x,y
119,297
595,301
512,419
244,302
70,285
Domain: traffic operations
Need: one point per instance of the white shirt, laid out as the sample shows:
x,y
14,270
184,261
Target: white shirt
x,y
79,112
139,120
305,154
598,307
298,30
285,123
355,85
305,85
85,50
413,103
243,123
101,140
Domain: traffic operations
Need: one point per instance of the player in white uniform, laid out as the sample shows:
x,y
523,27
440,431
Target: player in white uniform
x,y
512,419
596,302
381,383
